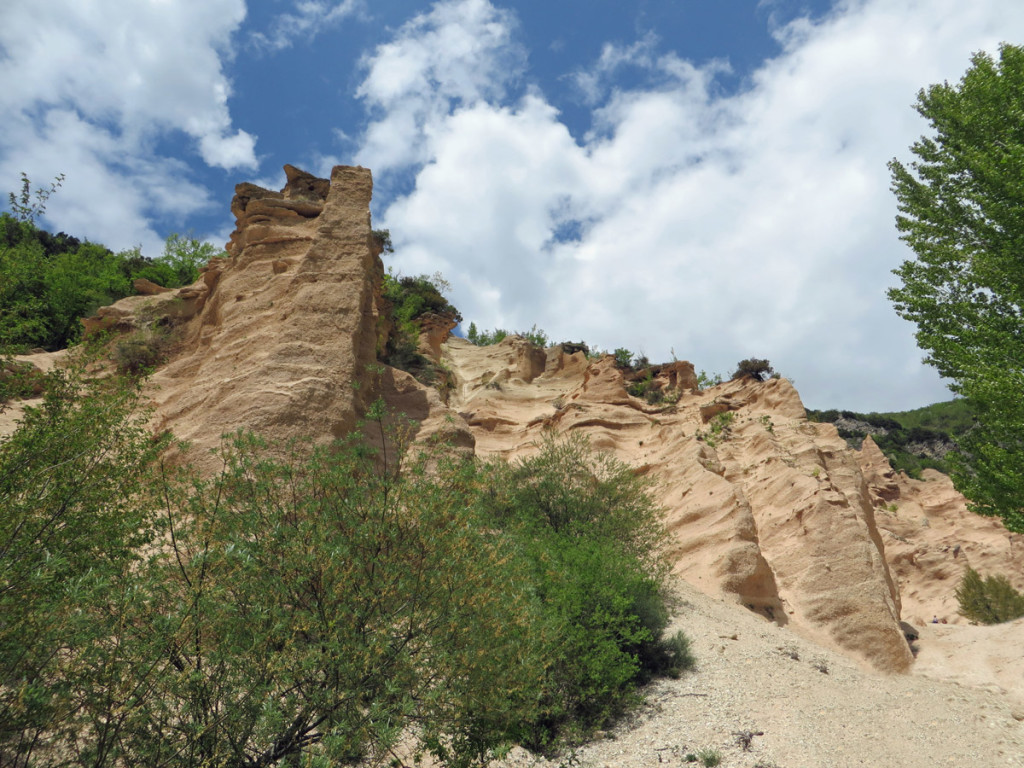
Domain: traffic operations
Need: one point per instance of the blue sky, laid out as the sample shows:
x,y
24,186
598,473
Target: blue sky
x,y
704,178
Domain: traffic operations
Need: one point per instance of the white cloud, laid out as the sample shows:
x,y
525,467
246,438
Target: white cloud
x,y
758,223
310,18
458,54
89,90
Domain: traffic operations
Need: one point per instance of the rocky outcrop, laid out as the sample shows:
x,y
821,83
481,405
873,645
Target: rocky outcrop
x,y
768,510
763,508
931,538
284,337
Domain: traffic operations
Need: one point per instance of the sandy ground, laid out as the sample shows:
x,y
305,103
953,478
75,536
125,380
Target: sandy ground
x,y
813,707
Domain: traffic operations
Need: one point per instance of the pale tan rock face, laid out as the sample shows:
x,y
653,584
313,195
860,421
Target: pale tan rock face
x,y
287,329
764,509
771,511
931,538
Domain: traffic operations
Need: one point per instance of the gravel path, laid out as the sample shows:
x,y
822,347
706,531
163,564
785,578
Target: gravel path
x,y
809,706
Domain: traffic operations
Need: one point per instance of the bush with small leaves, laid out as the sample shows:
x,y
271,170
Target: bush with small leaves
x,y
709,757
142,351
594,536
706,380
623,358
992,600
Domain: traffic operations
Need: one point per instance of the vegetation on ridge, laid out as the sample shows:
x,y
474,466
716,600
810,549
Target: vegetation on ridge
x,y
312,604
49,282
911,440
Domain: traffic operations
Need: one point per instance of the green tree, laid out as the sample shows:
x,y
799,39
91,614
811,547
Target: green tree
x,y
310,606
185,255
754,368
70,527
320,605
961,209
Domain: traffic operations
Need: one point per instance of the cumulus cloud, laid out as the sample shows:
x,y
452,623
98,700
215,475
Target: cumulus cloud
x,y
310,17
91,88
721,226
460,53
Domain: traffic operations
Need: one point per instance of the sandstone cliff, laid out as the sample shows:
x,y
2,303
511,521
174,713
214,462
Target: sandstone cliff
x,y
765,509
280,336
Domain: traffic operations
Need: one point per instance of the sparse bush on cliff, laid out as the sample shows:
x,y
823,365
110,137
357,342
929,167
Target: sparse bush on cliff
x,y
623,358
535,336
706,380
991,600
409,299
755,368
141,351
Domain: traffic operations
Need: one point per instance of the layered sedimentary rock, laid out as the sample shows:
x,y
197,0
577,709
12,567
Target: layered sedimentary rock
x,y
287,330
931,538
763,507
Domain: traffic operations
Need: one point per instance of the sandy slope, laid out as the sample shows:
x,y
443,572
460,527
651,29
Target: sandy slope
x,y
755,676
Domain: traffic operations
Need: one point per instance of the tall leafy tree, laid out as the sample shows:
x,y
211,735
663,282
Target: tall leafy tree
x,y
71,478
961,209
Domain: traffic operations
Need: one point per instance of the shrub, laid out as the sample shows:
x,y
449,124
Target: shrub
x,y
410,298
19,380
754,368
706,380
313,606
992,600
709,757
141,351
382,238
535,336
593,535
623,358
72,520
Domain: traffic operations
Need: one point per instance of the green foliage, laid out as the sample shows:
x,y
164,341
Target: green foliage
x,y
183,256
593,535
988,601
623,358
71,526
19,380
709,757
383,240
754,368
27,206
706,380
960,205
410,299
319,605
49,282
952,417
909,439
535,336
43,292
719,429
140,352
642,387
312,606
